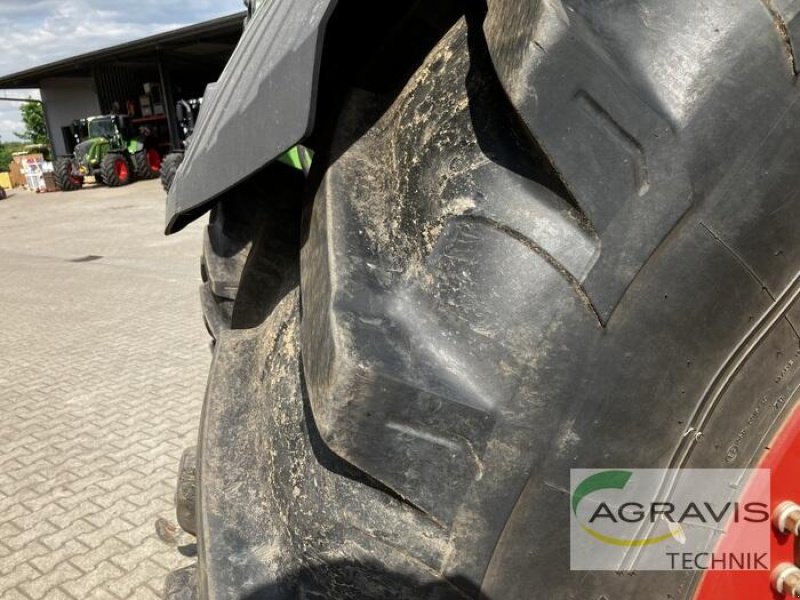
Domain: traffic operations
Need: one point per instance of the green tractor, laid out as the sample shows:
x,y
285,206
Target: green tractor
x,y
110,150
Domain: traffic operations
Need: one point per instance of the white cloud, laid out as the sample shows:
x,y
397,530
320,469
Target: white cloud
x,y
40,31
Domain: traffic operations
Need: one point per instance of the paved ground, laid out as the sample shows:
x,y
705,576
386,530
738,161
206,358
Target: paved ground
x,y
103,360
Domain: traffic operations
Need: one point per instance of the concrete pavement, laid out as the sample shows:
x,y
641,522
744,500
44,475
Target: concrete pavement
x,y
103,360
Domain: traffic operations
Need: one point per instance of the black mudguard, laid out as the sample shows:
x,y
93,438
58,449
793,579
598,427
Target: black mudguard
x,y
263,105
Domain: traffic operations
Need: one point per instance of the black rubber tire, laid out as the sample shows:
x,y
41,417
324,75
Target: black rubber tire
x,y
221,264
64,177
141,165
109,171
498,286
234,228
169,166
186,491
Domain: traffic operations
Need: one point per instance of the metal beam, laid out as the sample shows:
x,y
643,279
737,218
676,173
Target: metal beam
x,y
169,103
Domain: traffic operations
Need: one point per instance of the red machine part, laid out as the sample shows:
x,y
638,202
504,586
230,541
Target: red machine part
x,y
781,460
121,167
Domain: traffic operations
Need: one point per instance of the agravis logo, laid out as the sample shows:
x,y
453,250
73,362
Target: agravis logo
x,y
665,519
615,480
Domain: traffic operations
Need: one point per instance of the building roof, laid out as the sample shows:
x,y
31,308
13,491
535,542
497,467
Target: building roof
x,y
194,41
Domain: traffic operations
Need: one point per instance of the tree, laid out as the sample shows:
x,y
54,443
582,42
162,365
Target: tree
x,y
5,156
33,119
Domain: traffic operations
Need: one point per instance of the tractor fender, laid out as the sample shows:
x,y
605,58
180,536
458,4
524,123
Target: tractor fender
x,y
263,104
135,145
97,149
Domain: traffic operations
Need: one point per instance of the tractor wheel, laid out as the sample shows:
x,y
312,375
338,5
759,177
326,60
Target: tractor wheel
x,y
552,249
169,166
115,170
234,228
146,163
66,179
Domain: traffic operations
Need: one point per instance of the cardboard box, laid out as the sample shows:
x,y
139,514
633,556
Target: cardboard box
x,y
50,184
15,174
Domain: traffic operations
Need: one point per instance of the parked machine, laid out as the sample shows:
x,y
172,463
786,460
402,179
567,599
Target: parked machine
x,y
111,150
186,112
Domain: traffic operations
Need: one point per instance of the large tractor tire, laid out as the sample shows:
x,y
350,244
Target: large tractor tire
x,y
572,238
66,178
146,163
234,228
115,170
169,166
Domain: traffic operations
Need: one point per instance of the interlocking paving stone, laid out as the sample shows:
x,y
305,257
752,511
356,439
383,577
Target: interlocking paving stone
x,y
102,371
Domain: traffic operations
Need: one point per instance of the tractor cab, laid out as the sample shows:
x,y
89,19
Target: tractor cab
x,y
79,129
116,129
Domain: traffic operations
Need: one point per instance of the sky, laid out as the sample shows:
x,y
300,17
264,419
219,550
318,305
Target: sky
x,y
35,32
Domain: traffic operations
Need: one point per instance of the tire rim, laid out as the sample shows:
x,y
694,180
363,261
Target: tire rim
x,y
121,168
72,177
154,160
781,460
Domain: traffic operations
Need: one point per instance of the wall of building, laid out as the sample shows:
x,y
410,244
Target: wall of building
x,y
66,99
